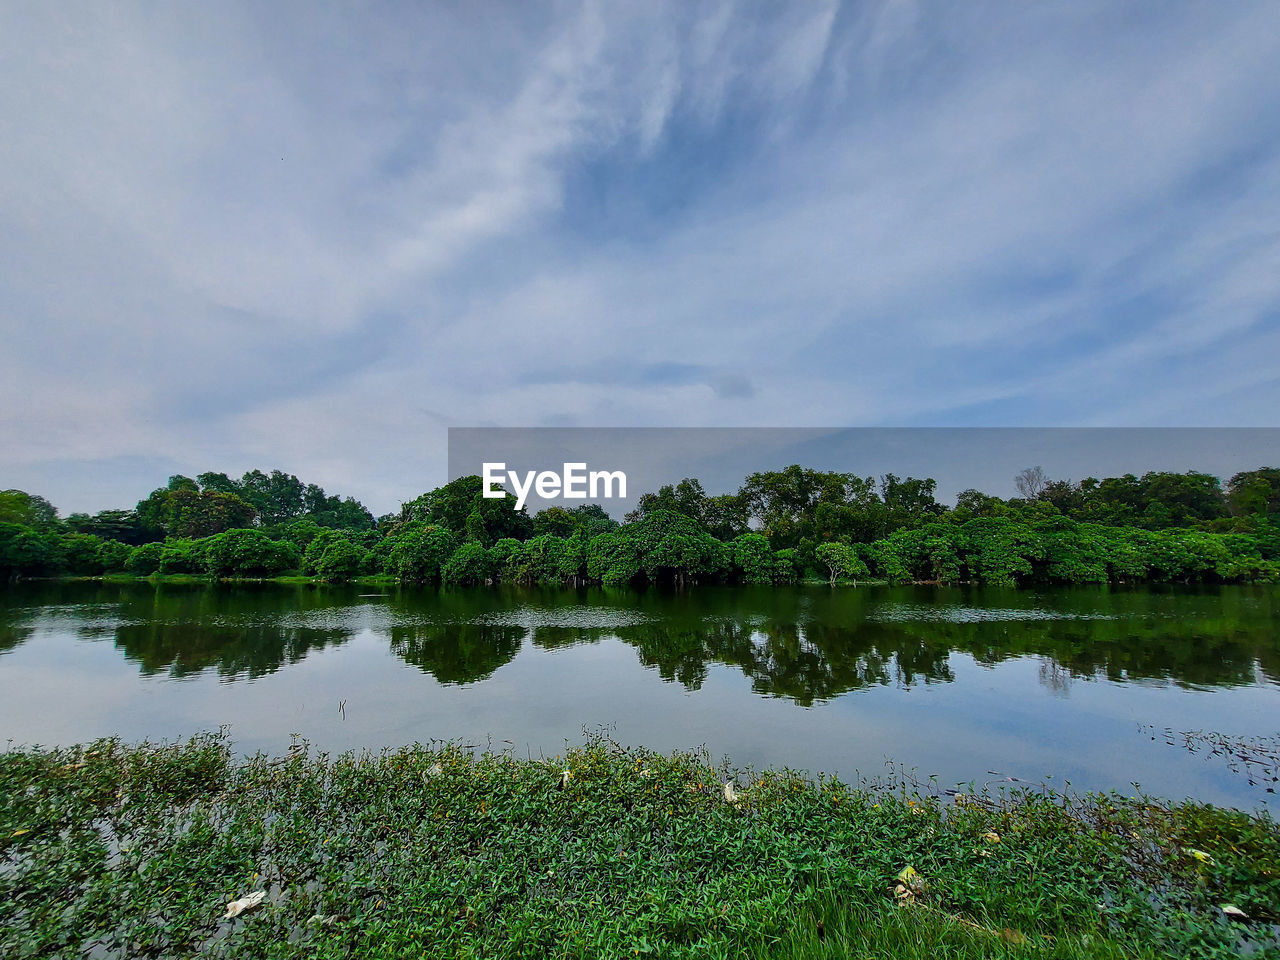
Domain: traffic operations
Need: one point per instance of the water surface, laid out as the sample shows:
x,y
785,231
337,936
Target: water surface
x,y
965,684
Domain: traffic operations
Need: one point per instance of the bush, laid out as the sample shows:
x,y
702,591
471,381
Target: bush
x,y
248,553
145,560
182,556
419,552
342,560
469,565
81,553
613,559
114,555
753,558
842,561
23,551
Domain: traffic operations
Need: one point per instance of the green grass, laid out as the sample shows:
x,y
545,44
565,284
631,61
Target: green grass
x,y
115,850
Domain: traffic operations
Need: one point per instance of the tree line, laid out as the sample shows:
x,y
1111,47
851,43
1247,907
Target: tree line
x,y
780,526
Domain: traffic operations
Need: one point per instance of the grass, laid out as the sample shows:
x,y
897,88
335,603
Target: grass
x,y
114,850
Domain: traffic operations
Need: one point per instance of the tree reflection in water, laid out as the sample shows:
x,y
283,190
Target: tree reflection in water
x,y
805,644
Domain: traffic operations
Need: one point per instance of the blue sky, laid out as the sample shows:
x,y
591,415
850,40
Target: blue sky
x,y
295,236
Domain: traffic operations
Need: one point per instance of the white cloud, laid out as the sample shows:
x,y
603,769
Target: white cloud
x,y
281,236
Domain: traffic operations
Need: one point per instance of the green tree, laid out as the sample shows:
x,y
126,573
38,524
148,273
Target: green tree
x,y
23,551
248,553
186,513
843,562
27,510
908,502
1255,493
182,556
539,560
796,504
451,506
419,552
276,496
341,561
614,558
470,564
500,557
114,555
119,525
753,558
218,483
81,554
145,559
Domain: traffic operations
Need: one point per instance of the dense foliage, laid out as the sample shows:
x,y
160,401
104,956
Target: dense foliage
x,y
779,526
113,851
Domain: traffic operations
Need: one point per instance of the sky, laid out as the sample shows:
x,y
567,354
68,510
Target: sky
x,y
313,237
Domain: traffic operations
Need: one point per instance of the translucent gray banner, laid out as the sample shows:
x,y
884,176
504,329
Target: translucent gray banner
x,y
986,458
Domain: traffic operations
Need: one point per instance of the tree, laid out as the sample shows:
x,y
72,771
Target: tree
x,y
1030,482
908,501
500,556
451,506
182,556
23,551
122,525
539,560
754,558
27,509
842,560
556,521
614,558
114,555
81,554
419,552
1255,493
190,513
341,561
797,504
971,504
248,553
218,482
469,565
726,516
277,496
145,559
686,498
1067,497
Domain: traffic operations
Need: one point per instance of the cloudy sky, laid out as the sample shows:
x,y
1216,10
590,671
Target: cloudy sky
x,y
298,236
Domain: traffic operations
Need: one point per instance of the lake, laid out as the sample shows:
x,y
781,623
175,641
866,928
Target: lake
x,y
962,684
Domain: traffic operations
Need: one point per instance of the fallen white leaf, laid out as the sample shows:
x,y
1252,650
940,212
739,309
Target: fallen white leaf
x,y
250,902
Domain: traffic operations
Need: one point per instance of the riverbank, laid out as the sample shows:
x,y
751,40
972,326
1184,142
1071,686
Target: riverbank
x,y
302,579
606,852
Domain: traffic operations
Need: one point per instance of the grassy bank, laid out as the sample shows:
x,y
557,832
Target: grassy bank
x,y
114,850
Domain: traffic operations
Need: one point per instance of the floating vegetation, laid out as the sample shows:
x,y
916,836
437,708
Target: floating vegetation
x,y
953,613
1257,759
111,850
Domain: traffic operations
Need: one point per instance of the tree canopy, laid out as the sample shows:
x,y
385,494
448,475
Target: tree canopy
x,y
779,525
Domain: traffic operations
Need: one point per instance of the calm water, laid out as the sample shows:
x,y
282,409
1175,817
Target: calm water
x,y
964,683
